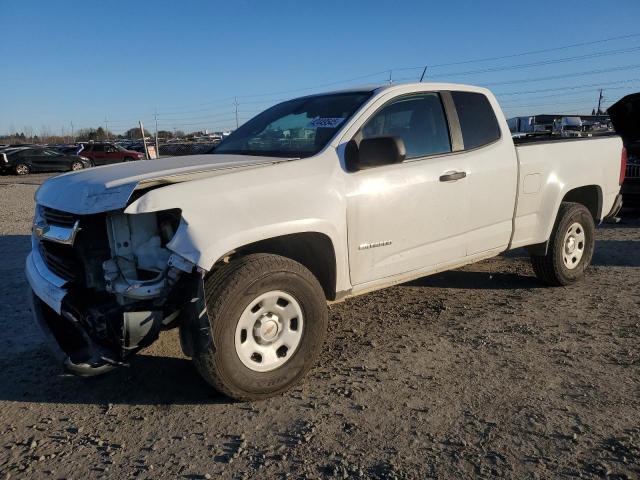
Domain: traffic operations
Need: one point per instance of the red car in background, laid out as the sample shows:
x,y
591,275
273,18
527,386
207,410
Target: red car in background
x,y
108,153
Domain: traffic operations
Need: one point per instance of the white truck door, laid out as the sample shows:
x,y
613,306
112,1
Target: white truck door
x,y
492,172
411,215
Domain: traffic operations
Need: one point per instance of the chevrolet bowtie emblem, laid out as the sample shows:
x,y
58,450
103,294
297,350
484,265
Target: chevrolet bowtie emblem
x,y
56,233
39,229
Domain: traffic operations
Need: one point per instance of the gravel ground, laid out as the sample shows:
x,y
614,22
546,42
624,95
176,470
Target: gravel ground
x,y
477,372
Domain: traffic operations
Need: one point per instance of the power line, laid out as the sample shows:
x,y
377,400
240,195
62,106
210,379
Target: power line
x,y
531,52
614,82
197,110
584,106
229,100
565,94
284,92
338,82
534,52
199,117
231,119
178,113
540,63
574,102
568,75
221,114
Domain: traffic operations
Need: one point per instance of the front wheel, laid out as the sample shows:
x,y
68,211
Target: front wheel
x,y
265,323
22,169
75,166
571,247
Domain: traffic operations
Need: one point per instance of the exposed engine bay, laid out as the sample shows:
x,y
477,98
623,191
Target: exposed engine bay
x,y
123,284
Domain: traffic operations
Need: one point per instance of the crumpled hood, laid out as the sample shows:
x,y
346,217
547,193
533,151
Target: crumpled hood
x,y
107,188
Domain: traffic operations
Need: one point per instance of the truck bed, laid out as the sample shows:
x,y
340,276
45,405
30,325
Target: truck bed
x,y
537,139
549,168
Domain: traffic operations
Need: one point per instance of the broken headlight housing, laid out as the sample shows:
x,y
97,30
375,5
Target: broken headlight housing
x,y
141,266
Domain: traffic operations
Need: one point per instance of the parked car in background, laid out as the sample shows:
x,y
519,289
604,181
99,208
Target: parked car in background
x,y
532,126
70,149
108,153
23,161
133,146
11,149
569,127
180,149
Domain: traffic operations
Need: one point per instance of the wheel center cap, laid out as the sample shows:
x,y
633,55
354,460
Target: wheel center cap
x,y
571,244
269,328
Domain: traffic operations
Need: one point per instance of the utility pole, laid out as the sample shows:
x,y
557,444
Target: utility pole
x,y
390,77
235,103
73,139
157,142
598,112
106,127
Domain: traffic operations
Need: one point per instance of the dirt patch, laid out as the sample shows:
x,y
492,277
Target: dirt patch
x,y
478,372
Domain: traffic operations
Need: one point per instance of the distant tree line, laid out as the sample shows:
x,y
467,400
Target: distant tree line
x,y
82,135
89,134
134,134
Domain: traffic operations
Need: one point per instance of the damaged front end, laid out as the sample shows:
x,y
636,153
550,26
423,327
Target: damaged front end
x,y
105,285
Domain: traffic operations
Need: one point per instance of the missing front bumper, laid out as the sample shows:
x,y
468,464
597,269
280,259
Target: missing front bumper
x,y
67,344
66,328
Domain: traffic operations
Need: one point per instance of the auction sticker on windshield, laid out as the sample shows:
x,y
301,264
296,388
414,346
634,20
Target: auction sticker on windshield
x,y
325,122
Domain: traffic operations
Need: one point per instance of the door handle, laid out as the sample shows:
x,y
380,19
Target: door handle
x,y
452,176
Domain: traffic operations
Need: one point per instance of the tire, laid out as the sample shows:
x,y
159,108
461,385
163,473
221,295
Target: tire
x,y
570,249
22,169
240,292
128,159
75,166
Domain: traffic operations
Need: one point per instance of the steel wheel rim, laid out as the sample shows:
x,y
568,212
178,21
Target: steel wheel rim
x,y
269,331
22,170
573,245
76,166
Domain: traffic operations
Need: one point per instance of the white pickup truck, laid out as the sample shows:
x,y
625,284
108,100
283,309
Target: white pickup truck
x,y
312,201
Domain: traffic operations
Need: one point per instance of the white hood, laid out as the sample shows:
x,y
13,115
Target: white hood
x,y
107,188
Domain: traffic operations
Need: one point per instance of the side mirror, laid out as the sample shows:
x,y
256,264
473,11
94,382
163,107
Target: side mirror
x,y
374,152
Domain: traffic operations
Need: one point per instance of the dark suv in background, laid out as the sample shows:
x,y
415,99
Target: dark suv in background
x,y
108,153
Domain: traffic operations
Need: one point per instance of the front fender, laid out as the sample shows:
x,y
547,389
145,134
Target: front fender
x,y
205,244
224,213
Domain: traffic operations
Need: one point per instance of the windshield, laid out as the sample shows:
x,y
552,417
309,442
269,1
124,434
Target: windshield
x,y
297,128
122,149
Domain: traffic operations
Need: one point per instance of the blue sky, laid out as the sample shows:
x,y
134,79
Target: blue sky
x,y
84,61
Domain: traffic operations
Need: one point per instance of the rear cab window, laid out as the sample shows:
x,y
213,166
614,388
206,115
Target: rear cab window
x,y
477,118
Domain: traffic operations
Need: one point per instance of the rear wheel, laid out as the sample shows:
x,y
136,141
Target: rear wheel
x,y
75,166
265,322
570,249
22,169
